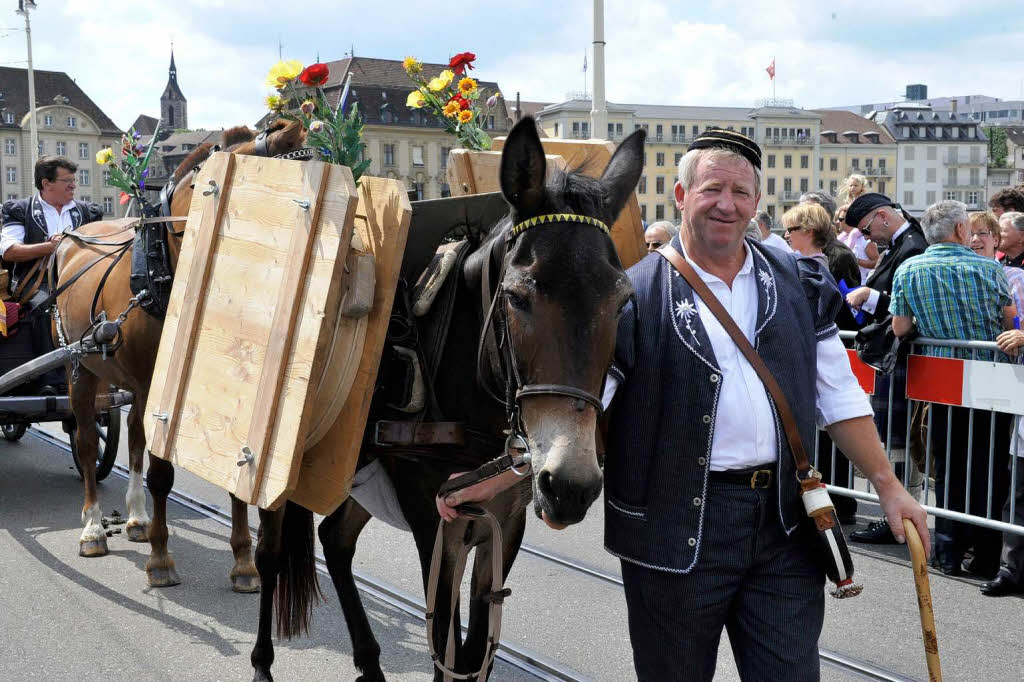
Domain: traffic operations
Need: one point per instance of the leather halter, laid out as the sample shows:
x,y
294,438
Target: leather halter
x,y
503,364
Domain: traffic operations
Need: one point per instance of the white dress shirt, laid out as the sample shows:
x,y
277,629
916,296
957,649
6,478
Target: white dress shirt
x,y
56,222
872,302
777,242
745,430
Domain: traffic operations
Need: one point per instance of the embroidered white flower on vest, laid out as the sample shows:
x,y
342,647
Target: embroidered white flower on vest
x,y
766,279
686,310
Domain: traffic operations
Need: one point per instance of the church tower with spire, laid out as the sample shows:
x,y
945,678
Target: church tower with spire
x,y
173,105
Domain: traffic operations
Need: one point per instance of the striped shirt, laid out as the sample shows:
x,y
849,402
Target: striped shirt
x,y
953,293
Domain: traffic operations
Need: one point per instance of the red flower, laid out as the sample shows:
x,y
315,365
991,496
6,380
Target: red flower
x,y
460,100
124,198
314,74
460,61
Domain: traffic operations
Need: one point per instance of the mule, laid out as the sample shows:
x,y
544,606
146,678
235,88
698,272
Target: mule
x,y
131,367
562,289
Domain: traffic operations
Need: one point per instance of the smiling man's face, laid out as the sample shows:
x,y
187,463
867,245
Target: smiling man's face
x,y
721,202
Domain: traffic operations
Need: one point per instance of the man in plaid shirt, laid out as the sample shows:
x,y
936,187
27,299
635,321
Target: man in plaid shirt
x,y
951,292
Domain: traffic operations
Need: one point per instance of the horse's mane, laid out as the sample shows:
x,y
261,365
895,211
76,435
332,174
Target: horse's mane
x,y
236,135
195,157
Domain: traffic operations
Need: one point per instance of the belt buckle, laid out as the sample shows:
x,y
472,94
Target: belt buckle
x,y
376,436
761,478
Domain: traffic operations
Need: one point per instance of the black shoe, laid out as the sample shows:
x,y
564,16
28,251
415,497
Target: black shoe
x,y
1000,587
981,570
877,533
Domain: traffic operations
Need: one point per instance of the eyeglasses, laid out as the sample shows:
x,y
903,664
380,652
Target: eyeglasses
x,y
794,228
982,233
654,246
67,181
866,230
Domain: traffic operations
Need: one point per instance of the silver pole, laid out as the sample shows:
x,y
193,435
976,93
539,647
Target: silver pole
x,y
23,9
599,111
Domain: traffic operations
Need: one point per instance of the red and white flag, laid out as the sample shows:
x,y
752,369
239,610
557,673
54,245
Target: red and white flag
x,y
771,69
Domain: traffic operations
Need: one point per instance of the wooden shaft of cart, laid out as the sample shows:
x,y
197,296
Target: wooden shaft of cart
x,y
924,600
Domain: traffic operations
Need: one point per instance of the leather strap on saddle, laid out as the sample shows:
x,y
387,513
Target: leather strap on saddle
x,y
400,433
796,445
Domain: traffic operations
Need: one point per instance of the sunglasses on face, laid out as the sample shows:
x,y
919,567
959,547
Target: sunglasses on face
x,y
795,228
653,246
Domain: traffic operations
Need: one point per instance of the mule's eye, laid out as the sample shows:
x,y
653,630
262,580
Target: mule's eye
x,y
516,301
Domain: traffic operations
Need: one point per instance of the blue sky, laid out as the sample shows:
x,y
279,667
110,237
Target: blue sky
x,y
706,53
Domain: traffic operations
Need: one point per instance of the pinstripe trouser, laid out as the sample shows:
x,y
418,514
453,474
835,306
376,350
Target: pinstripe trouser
x,y
750,578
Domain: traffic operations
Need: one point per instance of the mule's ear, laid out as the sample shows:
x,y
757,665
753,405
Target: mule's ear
x,y
523,167
623,172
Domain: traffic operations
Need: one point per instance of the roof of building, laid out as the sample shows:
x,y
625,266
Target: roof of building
x,y
904,123
172,91
175,142
528,108
49,85
846,121
145,125
783,112
699,113
1015,134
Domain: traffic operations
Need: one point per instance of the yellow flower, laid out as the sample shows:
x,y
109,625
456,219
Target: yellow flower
x,y
412,65
415,100
441,82
451,110
283,72
104,156
274,102
467,86
465,116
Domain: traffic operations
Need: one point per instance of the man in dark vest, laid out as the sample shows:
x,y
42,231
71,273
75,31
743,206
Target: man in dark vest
x,y
701,496
885,223
31,230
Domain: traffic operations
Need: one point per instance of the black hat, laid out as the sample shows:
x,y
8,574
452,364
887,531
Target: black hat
x,y
864,204
729,139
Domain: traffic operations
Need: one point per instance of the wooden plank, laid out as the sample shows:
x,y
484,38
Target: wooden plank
x,y
382,225
472,172
593,156
191,309
286,313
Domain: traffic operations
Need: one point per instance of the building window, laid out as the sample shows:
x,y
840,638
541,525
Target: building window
x,y
855,164
805,161
48,120
832,186
951,178
695,130
42,148
908,153
881,186
677,159
975,155
787,161
444,157
676,215
908,174
787,185
659,212
417,155
972,198
106,178
930,176
908,198
803,184
72,122
931,153
12,174
389,155
952,196
929,197
659,159
975,176
12,197
868,163
446,191
83,150
62,148
8,117
643,213
821,163
87,198
83,178
833,164
642,187
771,161
108,205
418,187
9,147
771,211
771,186
659,185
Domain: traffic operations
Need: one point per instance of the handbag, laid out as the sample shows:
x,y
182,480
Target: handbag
x,y
879,348
828,543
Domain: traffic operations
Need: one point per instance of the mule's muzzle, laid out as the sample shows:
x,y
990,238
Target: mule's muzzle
x,y
563,497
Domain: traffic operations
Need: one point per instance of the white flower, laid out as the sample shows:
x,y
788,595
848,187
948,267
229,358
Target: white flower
x,y
766,278
685,309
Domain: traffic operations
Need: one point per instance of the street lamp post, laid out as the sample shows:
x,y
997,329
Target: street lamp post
x,y
23,9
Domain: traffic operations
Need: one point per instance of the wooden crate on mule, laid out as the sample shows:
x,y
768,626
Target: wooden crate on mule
x,y
264,332
471,172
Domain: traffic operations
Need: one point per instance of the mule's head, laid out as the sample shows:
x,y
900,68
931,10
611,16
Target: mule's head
x,y
564,289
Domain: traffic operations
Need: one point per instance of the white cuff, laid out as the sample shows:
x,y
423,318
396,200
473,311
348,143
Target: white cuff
x,y
872,302
611,382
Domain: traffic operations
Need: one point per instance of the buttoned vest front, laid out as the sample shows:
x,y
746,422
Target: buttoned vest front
x,y
663,416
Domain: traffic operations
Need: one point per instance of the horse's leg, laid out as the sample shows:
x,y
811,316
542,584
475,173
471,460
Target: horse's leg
x,y
338,535
137,527
160,567
244,576
268,557
513,525
83,404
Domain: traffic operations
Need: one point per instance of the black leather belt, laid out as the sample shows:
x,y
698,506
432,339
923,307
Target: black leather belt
x,y
752,478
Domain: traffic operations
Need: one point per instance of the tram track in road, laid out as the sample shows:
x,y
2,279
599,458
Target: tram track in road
x,y
524,659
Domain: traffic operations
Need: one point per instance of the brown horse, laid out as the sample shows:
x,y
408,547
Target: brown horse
x,y
131,368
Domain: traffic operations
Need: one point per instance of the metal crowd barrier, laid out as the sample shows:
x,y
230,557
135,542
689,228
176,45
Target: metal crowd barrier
x,y
998,387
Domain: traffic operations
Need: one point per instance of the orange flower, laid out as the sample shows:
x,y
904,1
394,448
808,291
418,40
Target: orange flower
x,y
451,110
465,116
467,86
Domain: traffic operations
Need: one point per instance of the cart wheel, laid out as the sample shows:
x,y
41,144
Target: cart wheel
x,y
14,432
108,426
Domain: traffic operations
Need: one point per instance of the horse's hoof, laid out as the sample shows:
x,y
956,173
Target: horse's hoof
x,y
91,548
245,584
376,676
139,532
162,576
262,676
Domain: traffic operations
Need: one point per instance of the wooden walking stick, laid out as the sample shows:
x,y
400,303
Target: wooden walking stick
x,y
924,600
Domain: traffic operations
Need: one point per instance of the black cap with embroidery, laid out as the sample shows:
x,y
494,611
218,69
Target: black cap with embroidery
x,y
721,138
864,204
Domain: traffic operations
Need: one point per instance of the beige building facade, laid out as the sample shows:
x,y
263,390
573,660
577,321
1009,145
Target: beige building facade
x,y
852,145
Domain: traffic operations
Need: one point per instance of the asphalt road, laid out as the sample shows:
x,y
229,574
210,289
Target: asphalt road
x,y
69,618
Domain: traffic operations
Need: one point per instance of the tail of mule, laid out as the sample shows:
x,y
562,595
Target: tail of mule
x,y
298,589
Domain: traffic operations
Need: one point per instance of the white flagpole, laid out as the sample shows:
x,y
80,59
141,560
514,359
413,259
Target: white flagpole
x,y
599,111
